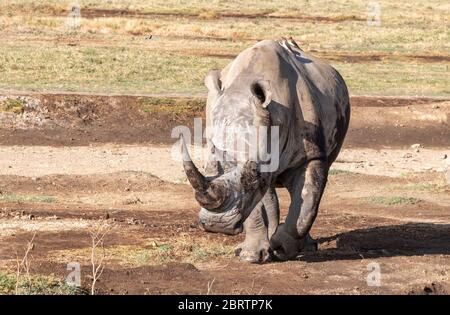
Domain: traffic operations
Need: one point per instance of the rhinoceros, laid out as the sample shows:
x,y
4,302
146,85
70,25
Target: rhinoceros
x,y
271,84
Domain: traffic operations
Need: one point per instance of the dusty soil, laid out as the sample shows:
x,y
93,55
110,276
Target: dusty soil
x,y
69,164
80,120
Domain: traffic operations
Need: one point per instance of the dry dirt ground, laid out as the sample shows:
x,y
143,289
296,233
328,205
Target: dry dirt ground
x,y
72,163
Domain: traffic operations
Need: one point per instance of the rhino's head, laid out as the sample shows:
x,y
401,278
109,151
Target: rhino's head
x,y
228,197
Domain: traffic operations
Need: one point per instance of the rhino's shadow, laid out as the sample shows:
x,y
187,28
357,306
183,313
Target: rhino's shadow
x,y
410,239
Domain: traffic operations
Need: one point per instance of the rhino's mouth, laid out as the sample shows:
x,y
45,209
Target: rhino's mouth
x,y
229,222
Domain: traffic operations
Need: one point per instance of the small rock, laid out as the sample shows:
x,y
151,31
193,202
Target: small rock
x,y
133,201
427,168
133,221
444,156
417,146
31,217
407,155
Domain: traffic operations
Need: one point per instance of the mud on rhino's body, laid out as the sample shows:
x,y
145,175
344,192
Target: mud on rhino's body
x,y
273,83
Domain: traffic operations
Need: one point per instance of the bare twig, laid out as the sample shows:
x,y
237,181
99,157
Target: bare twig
x,y
24,264
17,275
210,284
97,237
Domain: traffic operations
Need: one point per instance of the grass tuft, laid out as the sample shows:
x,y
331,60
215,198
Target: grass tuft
x,y
394,200
184,248
12,105
37,285
336,171
173,107
27,198
423,187
208,15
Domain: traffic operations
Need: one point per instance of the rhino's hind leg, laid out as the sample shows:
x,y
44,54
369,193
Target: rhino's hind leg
x,y
306,188
259,227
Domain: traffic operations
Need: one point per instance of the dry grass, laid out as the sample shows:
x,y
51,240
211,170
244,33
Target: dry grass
x,y
98,234
184,248
111,54
22,282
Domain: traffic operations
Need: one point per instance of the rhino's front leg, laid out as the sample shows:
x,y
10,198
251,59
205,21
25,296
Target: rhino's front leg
x,y
306,187
259,228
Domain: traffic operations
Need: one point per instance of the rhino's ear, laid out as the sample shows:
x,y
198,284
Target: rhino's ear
x,y
262,91
212,81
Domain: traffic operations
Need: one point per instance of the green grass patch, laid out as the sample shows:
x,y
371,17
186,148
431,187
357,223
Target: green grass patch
x,y
423,187
36,285
407,174
336,171
101,69
172,106
394,200
12,105
27,198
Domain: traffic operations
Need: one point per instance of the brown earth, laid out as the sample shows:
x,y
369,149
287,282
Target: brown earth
x,y
332,56
91,13
351,233
69,163
74,120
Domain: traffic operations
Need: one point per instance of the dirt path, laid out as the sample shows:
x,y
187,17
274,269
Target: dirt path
x,y
160,161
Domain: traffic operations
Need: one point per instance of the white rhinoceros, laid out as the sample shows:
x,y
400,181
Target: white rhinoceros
x,y
272,84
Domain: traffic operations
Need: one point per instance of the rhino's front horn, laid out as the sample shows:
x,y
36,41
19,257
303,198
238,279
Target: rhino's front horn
x,y
210,194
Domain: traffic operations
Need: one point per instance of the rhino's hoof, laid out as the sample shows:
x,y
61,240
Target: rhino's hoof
x,y
286,247
256,255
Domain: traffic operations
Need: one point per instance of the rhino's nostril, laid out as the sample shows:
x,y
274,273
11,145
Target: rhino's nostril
x,y
261,255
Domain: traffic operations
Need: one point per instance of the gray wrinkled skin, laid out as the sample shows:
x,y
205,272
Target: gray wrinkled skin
x,y
275,83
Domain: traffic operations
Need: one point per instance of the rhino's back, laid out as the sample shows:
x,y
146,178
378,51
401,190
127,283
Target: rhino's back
x,y
297,79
